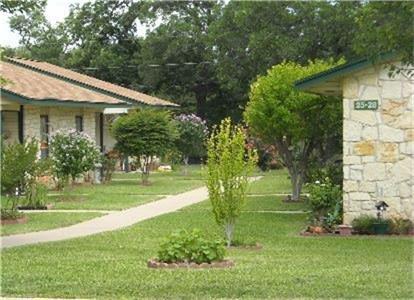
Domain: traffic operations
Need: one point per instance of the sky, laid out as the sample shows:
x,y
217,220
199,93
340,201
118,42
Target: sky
x,y
56,11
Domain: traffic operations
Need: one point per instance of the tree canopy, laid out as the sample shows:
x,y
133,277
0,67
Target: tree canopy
x,y
294,122
204,55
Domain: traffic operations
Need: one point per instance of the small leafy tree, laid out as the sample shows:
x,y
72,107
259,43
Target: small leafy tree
x,y
145,134
229,164
18,166
192,132
294,122
73,153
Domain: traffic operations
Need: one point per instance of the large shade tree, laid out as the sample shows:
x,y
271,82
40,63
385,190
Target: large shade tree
x,y
296,123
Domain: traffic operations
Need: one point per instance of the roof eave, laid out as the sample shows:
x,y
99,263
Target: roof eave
x,y
317,83
59,102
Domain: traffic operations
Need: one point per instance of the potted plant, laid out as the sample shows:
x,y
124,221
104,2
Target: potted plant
x,y
381,226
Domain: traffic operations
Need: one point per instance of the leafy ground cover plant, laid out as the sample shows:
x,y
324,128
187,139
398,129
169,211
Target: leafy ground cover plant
x,y
365,224
325,202
73,153
229,165
184,246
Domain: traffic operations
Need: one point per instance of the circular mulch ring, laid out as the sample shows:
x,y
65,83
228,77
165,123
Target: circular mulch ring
x,y
256,246
21,220
155,264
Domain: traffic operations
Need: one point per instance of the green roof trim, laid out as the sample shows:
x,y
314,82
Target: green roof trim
x,y
340,71
62,103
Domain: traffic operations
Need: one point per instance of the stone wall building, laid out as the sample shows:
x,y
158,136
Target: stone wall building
x,y
378,135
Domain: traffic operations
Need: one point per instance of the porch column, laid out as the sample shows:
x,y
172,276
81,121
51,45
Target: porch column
x,y
21,124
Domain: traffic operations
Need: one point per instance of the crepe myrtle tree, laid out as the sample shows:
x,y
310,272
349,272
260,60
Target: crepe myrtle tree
x,y
144,134
229,164
192,131
293,121
73,153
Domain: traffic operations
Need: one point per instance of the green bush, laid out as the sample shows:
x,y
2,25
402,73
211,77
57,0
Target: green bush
x,y
365,224
183,246
36,195
73,153
18,166
325,201
10,214
401,226
331,170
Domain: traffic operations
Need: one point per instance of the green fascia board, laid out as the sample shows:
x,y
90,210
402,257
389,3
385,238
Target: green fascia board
x,y
61,103
84,85
340,71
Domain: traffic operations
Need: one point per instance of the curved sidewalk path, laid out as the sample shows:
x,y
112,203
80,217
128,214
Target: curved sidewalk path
x,y
112,221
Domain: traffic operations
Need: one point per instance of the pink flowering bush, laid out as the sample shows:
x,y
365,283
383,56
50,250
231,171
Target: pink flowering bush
x,y
192,135
73,153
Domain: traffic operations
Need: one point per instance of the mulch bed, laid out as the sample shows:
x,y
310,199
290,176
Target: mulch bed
x,y
155,264
288,199
45,207
21,220
256,246
336,233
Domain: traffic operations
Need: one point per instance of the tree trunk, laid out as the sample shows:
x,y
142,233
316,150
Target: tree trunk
x,y
145,171
185,159
296,178
229,228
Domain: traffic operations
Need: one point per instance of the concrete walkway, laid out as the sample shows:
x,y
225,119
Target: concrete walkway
x,y
110,221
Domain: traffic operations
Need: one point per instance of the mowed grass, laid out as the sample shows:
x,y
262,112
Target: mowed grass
x,y
45,221
113,265
124,191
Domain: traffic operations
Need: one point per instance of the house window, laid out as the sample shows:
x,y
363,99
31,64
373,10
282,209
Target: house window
x,y
79,123
44,136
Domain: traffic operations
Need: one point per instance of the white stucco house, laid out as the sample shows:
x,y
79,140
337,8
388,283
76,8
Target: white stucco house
x,y
38,98
378,134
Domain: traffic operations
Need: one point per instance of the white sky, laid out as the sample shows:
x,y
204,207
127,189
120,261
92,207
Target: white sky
x,y
56,11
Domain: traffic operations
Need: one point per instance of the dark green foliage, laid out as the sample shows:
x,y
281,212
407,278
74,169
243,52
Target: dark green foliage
x,y
192,133
10,214
333,171
325,202
144,134
184,246
383,27
366,224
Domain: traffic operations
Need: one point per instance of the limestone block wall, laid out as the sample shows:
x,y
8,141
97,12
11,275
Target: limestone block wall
x,y
59,118
378,145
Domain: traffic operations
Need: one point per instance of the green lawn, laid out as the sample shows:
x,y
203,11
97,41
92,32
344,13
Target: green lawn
x,y
113,265
125,190
46,220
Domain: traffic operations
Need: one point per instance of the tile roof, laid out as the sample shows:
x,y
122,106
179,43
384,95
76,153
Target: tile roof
x,y
37,86
91,82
